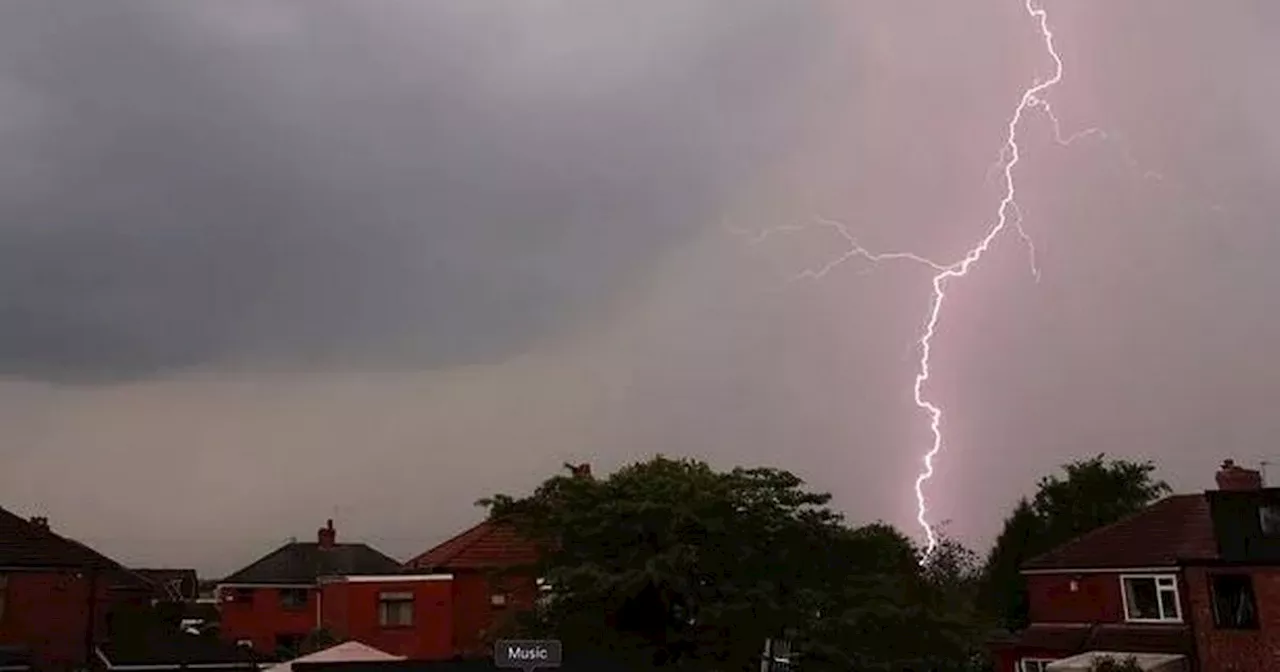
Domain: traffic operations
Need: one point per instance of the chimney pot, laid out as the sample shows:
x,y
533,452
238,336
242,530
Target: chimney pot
x,y
1238,479
327,536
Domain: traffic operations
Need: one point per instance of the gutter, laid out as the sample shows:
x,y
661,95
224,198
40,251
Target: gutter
x,y
1161,569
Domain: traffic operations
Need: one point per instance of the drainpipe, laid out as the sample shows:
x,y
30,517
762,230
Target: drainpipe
x,y
1088,637
1183,595
91,627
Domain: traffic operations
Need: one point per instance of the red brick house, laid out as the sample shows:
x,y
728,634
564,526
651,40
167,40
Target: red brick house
x,y
1194,577
54,595
486,590
407,615
273,604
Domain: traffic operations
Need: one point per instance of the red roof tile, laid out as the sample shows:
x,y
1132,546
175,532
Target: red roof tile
x,y
1171,530
486,545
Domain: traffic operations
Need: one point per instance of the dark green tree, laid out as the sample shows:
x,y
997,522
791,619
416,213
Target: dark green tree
x,y
671,562
903,615
1092,493
317,640
135,622
1004,592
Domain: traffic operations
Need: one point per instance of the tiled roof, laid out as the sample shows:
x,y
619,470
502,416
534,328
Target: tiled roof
x,y
27,545
129,583
484,546
1107,637
303,563
174,584
1173,529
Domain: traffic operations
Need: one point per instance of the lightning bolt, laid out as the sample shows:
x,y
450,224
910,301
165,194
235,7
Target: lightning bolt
x,y
1031,97
1008,215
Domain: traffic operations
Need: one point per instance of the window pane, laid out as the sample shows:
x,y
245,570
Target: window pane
x,y
403,613
1269,517
1142,598
1169,603
1234,604
395,612
293,598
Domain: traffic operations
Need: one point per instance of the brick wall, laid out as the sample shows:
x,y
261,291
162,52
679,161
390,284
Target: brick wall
x,y
1095,599
48,612
350,610
1222,650
262,617
476,617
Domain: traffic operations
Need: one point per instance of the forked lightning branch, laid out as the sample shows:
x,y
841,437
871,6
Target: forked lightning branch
x,y
1007,216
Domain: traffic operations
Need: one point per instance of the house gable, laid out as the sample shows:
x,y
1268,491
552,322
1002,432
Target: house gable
x,y
487,545
26,544
1173,530
1146,584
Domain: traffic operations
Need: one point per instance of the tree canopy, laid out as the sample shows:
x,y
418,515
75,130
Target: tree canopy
x,y
679,564
671,562
1093,493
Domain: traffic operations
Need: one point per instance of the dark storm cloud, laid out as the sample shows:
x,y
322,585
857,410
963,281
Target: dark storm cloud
x,y
240,186
404,182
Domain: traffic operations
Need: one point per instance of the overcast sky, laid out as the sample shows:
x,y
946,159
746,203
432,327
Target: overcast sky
x,y
265,263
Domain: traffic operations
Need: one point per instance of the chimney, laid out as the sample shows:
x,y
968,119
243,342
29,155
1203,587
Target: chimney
x,y
40,522
1238,479
327,536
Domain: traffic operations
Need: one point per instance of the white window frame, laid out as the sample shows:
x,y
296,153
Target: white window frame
x,y
1025,664
1158,579
389,601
